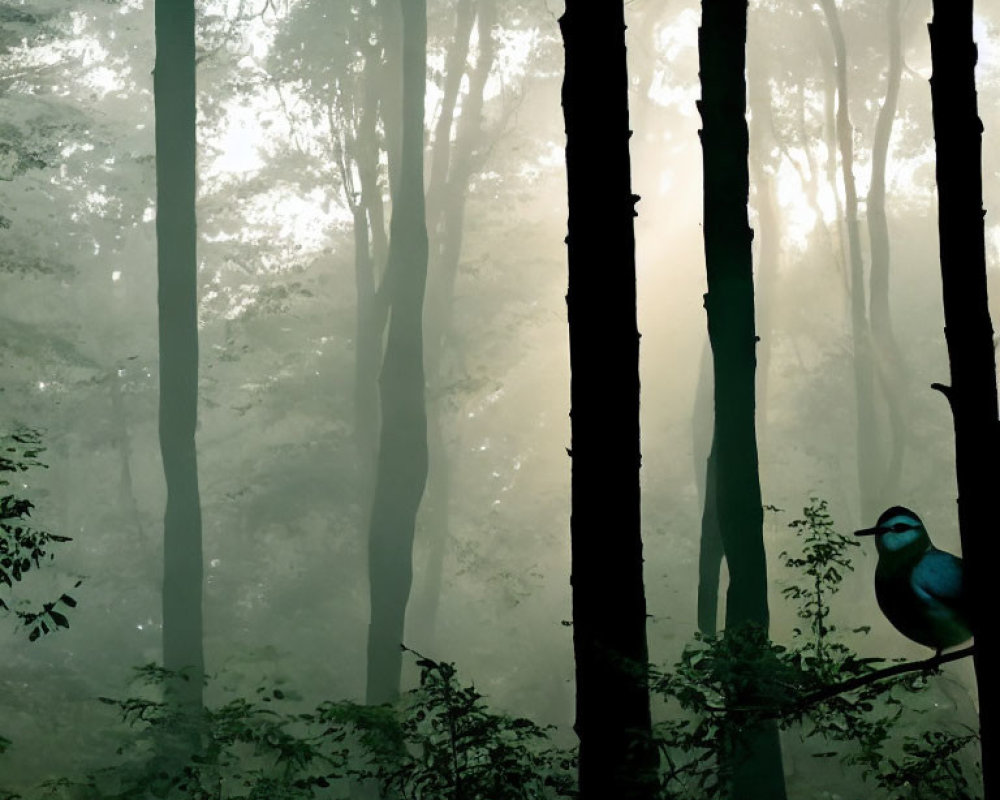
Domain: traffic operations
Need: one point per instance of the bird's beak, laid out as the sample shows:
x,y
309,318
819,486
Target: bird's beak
x,y
867,532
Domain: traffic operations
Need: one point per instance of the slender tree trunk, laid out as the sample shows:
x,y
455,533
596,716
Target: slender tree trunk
x,y
864,373
888,360
969,334
126,489
458,53
402,458
174,92
617,759
449,188
454,193
755,758
710,552
370,254
391,87
828,59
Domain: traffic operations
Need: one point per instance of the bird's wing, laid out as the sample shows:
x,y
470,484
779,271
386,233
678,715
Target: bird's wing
x,y
939,575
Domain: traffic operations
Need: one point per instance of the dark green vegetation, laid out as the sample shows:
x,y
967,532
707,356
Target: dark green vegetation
x,y
844,706
294,270
23,547
441,741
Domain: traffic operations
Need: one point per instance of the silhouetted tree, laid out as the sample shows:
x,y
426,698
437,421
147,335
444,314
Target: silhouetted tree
x,y
174,91
969,333
402,458
755,759
609,604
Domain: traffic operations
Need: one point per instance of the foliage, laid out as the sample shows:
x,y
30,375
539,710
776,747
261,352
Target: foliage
x,y
824,559
792,686
439,742
448,745
23,548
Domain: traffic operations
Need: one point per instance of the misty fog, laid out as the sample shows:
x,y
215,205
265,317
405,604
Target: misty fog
x,y
285,454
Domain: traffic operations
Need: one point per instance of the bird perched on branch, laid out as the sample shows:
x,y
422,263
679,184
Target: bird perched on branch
x,y
921,590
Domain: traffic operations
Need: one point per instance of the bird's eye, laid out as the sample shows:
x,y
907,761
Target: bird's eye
x,y
899,527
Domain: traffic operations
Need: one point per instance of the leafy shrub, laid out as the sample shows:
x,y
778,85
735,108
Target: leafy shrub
x,y
22,547
439,742
725,684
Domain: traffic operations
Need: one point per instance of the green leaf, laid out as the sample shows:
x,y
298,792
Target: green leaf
x,y
59,619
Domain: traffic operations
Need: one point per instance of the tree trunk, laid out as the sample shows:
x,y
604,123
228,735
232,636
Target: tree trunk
x,y
449,188
174,92
402,457
888,360
455,61
616,758
370,254
969,334
391,87
126,489
869,472
710,542
755,759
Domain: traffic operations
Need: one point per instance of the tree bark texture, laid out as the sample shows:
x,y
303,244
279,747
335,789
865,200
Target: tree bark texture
x,y
174,92
756,756
609,607
402,457
969,334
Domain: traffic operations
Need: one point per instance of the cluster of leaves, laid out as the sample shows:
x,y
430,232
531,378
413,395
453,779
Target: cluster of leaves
x,y
22,547
448,745
725,684
823,561
439,742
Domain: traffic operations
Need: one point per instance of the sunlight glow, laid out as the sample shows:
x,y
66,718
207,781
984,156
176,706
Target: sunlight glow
x,y
235,145
671,41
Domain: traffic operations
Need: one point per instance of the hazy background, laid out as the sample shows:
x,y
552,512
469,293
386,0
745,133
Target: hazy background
x,y
285,553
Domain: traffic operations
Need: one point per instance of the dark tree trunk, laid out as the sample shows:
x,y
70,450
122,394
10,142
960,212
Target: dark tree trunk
x,y
609,605
402,457
969,334
755,759
710,543
174,92
864,372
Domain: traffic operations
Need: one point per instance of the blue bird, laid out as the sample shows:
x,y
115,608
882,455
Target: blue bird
x,y
921,590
